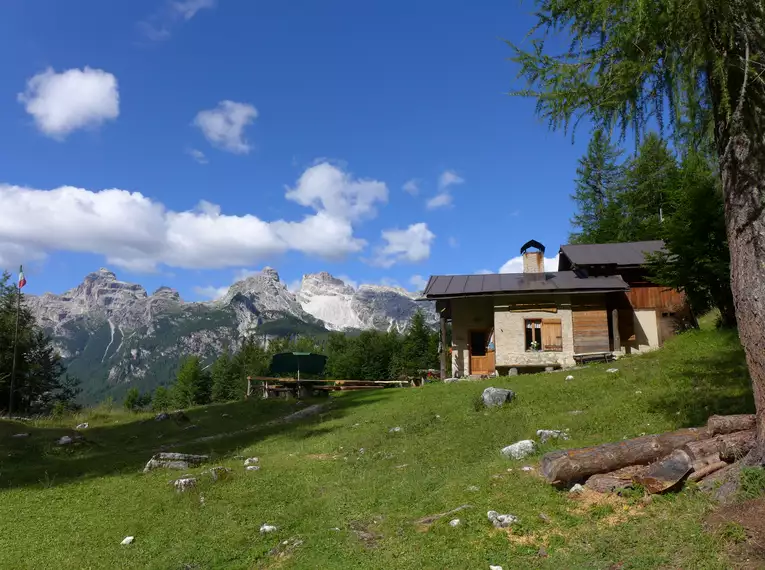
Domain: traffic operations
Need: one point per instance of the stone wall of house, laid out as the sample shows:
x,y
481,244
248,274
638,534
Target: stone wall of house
x,y
646,327
467,314
510,333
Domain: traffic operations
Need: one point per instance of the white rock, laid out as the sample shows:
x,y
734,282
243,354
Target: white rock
x,y
267,528
527,468
492,567
251,461
128,540
612,370
501,521
569,377
455,522
638,392
20,435
520,449
473,488
184,484
252,467
82,426
576,489
546,435
65,440
394,429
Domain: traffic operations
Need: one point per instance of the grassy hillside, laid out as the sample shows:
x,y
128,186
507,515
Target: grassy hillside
x,y
349,490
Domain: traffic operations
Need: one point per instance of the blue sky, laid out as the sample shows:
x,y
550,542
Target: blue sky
x,y
186,143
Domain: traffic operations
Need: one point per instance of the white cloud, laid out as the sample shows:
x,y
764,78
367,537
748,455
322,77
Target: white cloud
x,y
515,265
411,187
444,198
484,272
198,155
326,187
409,245
73,99
439,201
418,281
449,178
135,232
224,125
389,282
210,292
187,9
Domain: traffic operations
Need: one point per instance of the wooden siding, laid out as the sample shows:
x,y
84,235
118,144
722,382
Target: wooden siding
x,y
552,335
655,297
590,330
482,364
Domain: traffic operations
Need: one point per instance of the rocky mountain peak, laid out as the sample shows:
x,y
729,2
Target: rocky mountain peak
x,y
167,293
270,272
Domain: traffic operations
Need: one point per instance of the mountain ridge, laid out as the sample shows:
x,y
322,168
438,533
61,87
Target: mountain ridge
x,y
114,335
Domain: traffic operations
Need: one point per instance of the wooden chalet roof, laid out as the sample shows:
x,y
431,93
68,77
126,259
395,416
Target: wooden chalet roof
x,y
630,254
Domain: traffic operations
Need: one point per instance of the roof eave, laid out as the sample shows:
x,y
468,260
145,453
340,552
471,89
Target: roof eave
x,y
519,293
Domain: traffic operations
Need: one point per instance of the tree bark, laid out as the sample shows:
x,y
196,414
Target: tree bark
x,y
575,464
740,138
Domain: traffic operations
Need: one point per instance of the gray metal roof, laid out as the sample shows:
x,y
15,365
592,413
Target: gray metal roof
x,y
631,253
516,283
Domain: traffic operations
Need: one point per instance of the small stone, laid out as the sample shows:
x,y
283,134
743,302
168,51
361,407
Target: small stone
x,y
569,378
225,415
542,552
251,460
544,518
454,522
546,435
638,391
267,528
252,467
527,468
576,489
202,500
82,426
336,529
520,449
184,484
394,430
493,397
128,540
612,370
219,472
20,435
493,567
361,450
512,372
501,521
65,440
162,416
438,417
451,380
473,488
576,412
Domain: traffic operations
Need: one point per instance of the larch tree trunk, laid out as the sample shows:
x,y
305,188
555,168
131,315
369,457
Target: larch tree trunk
x,y
741,148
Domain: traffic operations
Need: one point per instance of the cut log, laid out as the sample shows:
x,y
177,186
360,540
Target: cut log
x,y
727,447
729,424
575,464
619,479
667,473
734,446
708,470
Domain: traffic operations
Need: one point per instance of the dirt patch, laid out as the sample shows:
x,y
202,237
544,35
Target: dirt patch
x,y
746,552
366,532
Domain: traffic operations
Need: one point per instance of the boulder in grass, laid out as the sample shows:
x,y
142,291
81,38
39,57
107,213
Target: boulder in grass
x,y
219,473
501,521
520,449
546,435
127,540
493,397
174,461
184,484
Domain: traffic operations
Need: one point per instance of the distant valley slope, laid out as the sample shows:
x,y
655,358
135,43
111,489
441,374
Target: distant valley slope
x,y
113,335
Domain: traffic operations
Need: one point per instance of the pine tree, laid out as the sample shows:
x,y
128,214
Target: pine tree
x,y
226,384
188,383
132,399
598,185
161,401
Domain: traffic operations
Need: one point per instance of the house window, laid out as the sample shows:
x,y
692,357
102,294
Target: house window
x,y
533,334
543,334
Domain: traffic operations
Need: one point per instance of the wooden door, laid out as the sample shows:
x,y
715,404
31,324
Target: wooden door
x,y
591,331
481,357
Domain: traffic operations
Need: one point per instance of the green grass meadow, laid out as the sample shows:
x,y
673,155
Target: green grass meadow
x,y
337,506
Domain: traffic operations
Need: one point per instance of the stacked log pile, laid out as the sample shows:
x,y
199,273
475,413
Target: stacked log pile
x,y
657,462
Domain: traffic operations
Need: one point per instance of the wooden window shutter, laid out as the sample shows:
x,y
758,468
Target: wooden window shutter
x,y
552,335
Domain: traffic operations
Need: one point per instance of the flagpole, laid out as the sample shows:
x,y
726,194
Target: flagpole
x,y
15,343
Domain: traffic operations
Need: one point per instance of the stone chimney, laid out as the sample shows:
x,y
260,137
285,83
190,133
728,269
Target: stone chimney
x,y
533,261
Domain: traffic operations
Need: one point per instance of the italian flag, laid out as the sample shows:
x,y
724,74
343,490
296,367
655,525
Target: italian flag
x,y
22,279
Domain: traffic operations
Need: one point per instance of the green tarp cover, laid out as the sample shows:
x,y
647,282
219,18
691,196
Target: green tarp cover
x,y
292,362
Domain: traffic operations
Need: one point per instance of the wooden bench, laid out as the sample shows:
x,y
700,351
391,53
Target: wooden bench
x,y
585,357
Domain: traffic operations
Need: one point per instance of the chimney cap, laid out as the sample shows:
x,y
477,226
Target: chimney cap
x,y
532,243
